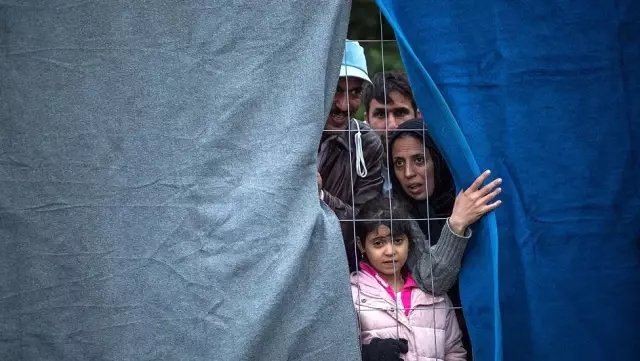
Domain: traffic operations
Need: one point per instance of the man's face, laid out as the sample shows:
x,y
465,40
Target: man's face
x,y
399,110
345,104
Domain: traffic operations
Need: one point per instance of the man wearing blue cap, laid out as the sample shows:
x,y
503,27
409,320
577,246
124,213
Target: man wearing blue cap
x,y
350,161
350,154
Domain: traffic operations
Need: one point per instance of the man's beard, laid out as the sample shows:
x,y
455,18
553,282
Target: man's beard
x,y
385,144
337,118
383,137
336,111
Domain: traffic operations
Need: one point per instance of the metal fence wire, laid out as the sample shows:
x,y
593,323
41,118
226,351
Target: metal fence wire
x,y
375,46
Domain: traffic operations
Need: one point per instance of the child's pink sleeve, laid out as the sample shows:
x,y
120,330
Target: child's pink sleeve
x,y
454,349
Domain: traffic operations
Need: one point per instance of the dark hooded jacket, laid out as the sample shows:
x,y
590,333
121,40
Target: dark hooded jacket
x,y
337,167
433,263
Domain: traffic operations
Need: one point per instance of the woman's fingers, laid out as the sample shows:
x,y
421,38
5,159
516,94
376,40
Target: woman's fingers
x,y
489,197
478,182
489,207
474,202
489,187
484,206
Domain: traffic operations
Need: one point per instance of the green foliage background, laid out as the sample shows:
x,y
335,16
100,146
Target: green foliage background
x,y
364,25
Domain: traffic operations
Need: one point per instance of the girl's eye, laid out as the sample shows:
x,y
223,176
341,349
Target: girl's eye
x,y
399,163
378,243
398,240
419,159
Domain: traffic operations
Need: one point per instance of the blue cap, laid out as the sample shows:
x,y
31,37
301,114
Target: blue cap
x,y
354,63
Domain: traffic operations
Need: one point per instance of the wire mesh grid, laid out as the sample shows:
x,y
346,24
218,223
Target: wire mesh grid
x,y
397,310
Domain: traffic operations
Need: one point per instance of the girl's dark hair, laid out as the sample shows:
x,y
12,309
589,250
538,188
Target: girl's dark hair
x,y
380,212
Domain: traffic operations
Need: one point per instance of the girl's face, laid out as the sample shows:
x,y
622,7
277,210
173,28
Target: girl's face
x,y
385,253
413,167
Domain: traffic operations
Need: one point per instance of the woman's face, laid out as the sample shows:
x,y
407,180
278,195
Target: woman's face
x,y
413,167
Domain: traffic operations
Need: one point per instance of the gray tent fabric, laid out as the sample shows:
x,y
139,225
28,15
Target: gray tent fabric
x,y
158,195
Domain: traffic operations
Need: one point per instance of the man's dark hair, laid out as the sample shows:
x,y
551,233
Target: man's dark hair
x,y
393,81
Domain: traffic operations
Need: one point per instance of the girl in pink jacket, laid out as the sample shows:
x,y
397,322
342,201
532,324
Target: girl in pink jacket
x,y
395,316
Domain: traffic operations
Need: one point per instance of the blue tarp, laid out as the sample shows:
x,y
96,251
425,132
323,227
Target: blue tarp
x,y
547,95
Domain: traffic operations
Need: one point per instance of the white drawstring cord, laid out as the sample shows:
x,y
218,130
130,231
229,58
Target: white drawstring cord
x,y
361,166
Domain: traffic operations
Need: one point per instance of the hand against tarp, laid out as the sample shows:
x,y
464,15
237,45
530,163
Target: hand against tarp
x,y
473,203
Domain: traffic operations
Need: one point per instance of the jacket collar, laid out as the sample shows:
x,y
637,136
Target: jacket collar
x,y
405,292
341,137
371,287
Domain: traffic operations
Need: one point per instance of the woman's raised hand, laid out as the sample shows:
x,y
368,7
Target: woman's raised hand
x,y
473,203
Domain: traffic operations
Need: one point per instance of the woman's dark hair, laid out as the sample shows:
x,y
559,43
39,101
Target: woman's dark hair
x,y
443,195
381,211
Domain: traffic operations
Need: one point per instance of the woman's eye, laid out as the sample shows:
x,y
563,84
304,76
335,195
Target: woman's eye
x,y
399,240
399,163
419,160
